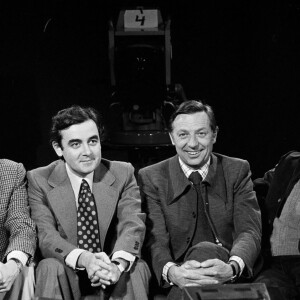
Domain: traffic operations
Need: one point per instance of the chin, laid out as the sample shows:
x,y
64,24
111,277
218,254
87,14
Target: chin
x,y
88,169
193,164
91,168
196,164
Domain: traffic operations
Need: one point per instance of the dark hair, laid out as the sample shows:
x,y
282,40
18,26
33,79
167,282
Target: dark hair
x,y
191,107
71,116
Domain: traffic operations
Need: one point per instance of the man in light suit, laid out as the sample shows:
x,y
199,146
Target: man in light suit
x,y
206,232
17,233
70,270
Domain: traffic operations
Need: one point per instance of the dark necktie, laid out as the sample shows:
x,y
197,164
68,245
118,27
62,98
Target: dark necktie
x,y
195,178
88,237
203,222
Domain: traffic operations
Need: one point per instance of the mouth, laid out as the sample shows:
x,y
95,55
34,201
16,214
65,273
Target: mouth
x,y
193,153
87,161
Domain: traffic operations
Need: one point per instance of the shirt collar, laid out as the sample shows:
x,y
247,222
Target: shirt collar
x,y
188,171
76,180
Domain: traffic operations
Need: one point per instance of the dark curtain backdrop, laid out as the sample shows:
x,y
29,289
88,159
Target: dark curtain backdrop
x,y
241,57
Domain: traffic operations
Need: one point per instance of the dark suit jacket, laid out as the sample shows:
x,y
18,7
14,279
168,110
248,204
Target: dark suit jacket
x,y
232,205
274,189
117,197
17,230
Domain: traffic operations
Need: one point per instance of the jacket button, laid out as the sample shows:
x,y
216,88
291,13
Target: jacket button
x,y
188,240
194,214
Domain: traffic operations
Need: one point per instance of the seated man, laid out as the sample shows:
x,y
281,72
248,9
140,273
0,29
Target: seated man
x,y
17,233
281,231
203,222
88,215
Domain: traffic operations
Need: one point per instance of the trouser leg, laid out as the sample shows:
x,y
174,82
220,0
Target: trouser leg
x,y
133,285
52,280
23,286
281,278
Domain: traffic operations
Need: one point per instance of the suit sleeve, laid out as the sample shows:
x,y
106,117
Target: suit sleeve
x,y
50,241
157,248
247,220
130,219
21,228
262,185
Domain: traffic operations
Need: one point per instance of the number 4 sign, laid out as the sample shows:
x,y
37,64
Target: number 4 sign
x,y
141,18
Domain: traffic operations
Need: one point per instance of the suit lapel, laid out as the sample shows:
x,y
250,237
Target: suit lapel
x,y
62,201
180,204
178,181
106,198
215,179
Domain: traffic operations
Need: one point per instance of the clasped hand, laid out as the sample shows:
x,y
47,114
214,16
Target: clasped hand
x,y
8,274
101,271
194,273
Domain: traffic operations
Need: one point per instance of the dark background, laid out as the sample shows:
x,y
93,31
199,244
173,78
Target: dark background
x,y
241,57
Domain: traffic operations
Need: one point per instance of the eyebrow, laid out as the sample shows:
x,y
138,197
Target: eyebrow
x,y
197,130
79,140
74,141
94,137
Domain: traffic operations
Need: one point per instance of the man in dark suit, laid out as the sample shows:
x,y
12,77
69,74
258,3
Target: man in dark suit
x,y
88,214
279,194
17,233
208,231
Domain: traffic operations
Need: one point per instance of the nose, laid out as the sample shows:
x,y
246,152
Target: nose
x,y
193,141
86,149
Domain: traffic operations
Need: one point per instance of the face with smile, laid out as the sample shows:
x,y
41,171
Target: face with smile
x,y
80,147
193,138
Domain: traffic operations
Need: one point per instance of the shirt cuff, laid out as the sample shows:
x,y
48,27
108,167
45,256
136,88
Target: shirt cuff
x,y
166,268
240,262
21,256
72,258
125,255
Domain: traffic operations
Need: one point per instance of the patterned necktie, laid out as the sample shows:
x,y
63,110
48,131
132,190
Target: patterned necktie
x,y
88,235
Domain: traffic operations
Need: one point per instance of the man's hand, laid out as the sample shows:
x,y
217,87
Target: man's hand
x,y
98,266
188,274
194,273
217,269
114,274
8,274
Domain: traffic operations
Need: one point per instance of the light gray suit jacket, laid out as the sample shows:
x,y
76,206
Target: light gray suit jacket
x,y
117,197
171,223
17,230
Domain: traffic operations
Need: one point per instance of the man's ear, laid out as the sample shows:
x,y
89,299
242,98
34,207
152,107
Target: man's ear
x,y
215,134
57,149
171,137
